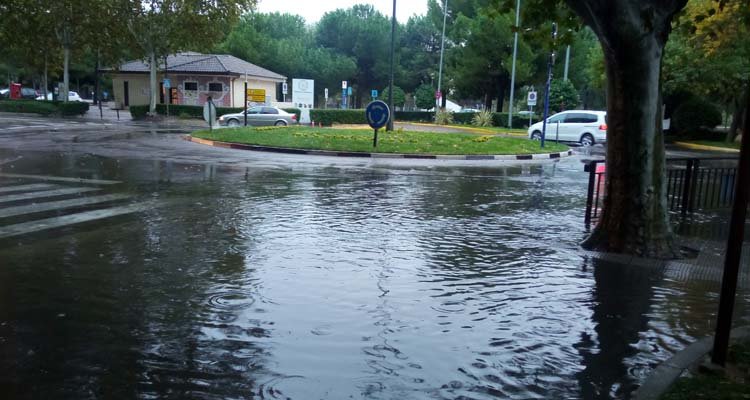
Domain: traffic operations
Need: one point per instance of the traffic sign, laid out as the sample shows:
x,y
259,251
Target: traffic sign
x,y
377,114
531,99
284,88
326,93
374,94
438,94
256,95
343,84
349,91
167,83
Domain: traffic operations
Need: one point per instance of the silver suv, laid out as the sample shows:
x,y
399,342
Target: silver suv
x,y
583,126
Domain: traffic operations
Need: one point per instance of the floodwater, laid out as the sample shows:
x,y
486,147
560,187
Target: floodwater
x,y
318,281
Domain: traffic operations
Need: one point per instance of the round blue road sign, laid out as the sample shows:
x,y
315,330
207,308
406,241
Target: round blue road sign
x,y
377,114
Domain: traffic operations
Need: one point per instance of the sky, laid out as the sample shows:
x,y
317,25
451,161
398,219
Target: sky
x,y
313,10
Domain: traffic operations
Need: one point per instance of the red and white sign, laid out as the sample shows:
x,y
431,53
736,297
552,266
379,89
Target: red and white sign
x,y
438,94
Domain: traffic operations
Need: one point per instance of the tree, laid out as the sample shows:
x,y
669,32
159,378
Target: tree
x,y
420,49
162,27
425,97
563,96
399,96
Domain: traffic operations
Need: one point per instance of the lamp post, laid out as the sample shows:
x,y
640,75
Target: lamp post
x,y
513,68
442,50
549,82
389,127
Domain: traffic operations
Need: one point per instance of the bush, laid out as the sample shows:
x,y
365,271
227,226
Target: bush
x,y
562,96
330,117
28,106
73,108
295,111
695,115
482,118
138,112
415,116
444,117
464,118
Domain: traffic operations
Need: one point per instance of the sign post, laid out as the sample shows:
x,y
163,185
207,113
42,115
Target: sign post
x,y
343,94
325,94
531,102
284,89
245,103
377,114
209,113
374,94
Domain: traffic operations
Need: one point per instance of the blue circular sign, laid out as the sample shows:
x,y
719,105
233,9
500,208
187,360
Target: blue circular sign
x,y
377,114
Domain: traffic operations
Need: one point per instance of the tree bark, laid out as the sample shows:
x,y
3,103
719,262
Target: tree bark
x,y
152,83
634,217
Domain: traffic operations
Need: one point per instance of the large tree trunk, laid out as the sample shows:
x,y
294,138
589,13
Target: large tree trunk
x,y
634,217
152,83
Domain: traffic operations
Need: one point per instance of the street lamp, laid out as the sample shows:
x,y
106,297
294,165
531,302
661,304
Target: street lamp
x,y
389,127
513,68
442,50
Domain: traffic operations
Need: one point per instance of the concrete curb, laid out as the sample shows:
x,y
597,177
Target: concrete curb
x,y
694,146
510,157
662,378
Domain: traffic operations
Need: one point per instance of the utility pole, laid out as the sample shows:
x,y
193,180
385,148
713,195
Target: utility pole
x,y
513,68
567,62
549,82
389,127
442,50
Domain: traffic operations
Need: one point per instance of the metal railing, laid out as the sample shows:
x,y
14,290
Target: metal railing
x,y
692,184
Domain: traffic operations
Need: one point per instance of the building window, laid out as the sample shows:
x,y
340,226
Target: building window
x,y
215,87
191,86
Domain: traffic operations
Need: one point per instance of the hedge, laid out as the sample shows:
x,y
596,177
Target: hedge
x,y
196,111
329,117
694,115
73,108
415,116
44,107
138,112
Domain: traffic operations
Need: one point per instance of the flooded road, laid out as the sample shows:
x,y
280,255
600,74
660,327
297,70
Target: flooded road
x,y
285,277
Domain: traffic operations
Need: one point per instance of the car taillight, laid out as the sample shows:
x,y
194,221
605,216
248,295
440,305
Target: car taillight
x,y
294,117
603,127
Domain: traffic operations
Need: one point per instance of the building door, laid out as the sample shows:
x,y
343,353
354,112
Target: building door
x,y
173,96
161,92
126,96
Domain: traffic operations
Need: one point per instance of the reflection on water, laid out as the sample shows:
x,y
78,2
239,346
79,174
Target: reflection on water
x,y
335,282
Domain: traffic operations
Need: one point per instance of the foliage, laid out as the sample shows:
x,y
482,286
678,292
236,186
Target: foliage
x,y
415,116
28,106
138,112
425,97
482,118
73,108
399,97
358,140
695,114
563,96
330,117
464,117
443,117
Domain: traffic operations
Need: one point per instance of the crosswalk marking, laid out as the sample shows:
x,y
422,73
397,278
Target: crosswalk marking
x,y
58,222
47,194
59,205
29,188
59,179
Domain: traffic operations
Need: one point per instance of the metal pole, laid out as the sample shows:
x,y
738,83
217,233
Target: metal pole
x,y
245,106
734,251
513,68
442,50
389,127
549,82
169,89
567,62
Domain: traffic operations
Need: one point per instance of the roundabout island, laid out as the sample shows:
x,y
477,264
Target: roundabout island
x,y
394,144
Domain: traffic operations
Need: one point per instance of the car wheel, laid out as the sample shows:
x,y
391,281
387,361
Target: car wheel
x,y
233,123
536,135
587,140
280,123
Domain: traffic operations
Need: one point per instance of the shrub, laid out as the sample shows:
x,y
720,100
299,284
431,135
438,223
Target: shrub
x,y
28,106
73,108
425,96
694,115
138,112
415,116
330,117
444,117
563,96
519,121
464,118
482,118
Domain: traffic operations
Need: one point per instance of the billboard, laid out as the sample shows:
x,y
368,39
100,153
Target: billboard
x,y
303,97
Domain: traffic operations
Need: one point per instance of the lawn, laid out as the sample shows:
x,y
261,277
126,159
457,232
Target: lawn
x,y
727,145
398,141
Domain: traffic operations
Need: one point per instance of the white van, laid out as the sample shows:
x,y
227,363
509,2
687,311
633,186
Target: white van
x,y
583,126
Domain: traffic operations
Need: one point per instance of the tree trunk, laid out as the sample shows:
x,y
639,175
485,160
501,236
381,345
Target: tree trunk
x,y
46,84
738,117
634,217
501,96
152,83
64,92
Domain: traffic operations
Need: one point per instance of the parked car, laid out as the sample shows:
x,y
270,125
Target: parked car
x,y
469,110
583,126
72,96
26,93
260,116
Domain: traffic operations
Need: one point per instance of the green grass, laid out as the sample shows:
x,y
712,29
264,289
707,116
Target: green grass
x,y
727,145
394,142
717,386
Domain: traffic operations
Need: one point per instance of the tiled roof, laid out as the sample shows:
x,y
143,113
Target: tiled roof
x,y
206,63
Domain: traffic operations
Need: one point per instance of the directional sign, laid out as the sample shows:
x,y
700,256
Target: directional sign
x,y
374,94
377,114
531,100
349,91
256,95
167,83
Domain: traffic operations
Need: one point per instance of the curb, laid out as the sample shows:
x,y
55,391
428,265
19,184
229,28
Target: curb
x,y
472,129
694,146
511,157
662,378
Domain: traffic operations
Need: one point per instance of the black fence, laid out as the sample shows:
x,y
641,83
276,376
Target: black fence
x,y
692,184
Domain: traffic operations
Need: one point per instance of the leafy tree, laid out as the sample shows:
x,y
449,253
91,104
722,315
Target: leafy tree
x,y
563,96
425,96
420,53
399,96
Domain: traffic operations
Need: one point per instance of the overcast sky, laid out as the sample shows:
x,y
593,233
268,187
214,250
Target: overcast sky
x,y
312,10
